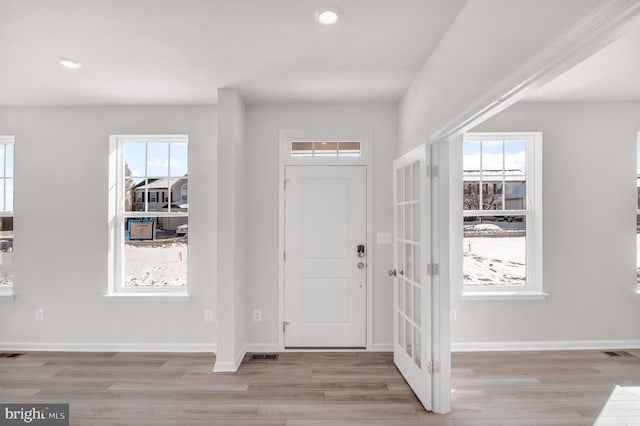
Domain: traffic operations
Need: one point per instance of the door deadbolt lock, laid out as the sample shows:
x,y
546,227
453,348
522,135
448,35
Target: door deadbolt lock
x,y
360,250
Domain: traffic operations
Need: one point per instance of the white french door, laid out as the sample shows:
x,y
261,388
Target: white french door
x,y
412,340
325,267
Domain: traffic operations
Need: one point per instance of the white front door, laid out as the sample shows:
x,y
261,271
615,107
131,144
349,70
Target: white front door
x,y
412,283
325,257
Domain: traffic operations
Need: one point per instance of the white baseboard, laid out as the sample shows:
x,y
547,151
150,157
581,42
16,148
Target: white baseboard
x,y
544,345
382,347
108,347
230,366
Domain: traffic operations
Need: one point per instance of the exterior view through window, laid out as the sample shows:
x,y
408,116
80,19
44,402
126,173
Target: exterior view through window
x,y
154,212
6,214
495,185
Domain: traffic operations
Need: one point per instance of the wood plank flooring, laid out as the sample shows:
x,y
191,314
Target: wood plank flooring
x,y
326,389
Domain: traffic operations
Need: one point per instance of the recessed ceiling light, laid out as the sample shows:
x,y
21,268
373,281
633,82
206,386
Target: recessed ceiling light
x,y
69,63
327,16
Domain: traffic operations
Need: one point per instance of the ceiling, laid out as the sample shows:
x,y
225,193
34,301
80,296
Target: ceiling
x,y
178,52
612,74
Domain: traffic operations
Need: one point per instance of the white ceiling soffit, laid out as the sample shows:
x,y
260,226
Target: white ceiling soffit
x,y
152,52
612,74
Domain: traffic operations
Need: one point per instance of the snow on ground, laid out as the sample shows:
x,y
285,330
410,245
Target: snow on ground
x,y
164,265
494,260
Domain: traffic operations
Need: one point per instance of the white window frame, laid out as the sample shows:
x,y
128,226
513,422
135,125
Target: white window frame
x,y
115,286
8,290
533,289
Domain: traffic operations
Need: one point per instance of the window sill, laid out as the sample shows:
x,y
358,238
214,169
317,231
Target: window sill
x,y
148,297
504,295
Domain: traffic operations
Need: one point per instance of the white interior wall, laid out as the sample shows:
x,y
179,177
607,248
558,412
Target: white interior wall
x,y
589,217
264,123
489,41
61,169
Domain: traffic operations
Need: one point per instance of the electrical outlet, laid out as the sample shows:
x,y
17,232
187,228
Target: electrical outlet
x,y
257,315
208,315
453,315
39,314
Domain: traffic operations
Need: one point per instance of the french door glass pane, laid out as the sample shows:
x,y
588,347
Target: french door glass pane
x,y
417,347
400,329
408,259
416,181
408,225
408,302
400,294
400,259
417,306
9,157
416,222
400,182
409,338
400,229
417,276
408,180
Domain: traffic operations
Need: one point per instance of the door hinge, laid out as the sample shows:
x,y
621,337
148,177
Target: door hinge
x,y
284,256
285,183
284,326
432,171
433,367
433,269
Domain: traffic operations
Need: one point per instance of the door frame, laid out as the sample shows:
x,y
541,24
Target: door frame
x,y
364,136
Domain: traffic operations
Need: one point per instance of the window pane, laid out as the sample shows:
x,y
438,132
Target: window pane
x,y
492,159
134,196
515,156
471,191
155,252
326,149
516,195
157,159
471,156
9,155
179,159
9,197
6,251
638,248
495,251
349,149
492,195
134,158
3,155
2,191
301,149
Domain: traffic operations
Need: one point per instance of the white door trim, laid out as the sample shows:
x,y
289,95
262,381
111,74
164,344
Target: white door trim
x,y
285,159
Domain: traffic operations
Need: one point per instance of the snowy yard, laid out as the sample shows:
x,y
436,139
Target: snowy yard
x,y
494,260
164,265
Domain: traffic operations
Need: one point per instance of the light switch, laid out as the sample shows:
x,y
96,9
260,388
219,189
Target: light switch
x,y
384,238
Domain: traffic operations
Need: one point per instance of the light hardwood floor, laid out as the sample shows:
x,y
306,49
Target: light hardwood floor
x,y
326,389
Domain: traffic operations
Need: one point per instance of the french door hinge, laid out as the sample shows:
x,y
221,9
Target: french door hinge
x,y
285,183
284,256
432,171
284,326
433,269
433,367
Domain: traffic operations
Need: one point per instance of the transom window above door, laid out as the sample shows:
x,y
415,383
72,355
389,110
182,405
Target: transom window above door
x,y
325,149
